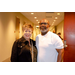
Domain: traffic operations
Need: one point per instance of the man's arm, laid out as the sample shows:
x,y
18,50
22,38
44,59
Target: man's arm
x,y
60,55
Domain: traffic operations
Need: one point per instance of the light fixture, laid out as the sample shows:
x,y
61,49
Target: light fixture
x,y
32,13
52,24
36,20
35,17
58,13
56,18
37,26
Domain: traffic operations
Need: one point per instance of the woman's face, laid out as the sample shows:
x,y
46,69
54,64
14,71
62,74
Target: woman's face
x,y
27,33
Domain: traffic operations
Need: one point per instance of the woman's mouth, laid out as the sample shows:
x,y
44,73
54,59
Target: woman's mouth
x,y
27,35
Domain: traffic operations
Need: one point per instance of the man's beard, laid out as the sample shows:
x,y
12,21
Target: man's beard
x,y
43,31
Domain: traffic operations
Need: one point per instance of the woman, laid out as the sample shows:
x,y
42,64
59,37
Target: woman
x,y
24,49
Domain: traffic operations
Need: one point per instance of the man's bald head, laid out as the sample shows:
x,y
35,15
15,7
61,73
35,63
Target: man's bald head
x,y
44,20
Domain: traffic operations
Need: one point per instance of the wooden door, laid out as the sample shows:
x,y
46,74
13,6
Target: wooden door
x,y
17,27
69,36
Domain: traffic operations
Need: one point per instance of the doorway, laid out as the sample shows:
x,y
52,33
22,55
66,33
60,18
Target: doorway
x,y
17,28
69,36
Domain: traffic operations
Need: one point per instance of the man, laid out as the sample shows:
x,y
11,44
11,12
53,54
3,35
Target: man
x,y
49,45
59,34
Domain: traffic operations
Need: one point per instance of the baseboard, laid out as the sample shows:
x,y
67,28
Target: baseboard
x,y
7,60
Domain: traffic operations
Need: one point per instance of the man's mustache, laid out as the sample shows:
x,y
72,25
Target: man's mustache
x,y
43,27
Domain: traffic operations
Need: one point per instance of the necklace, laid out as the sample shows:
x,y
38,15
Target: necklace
x,y
31,50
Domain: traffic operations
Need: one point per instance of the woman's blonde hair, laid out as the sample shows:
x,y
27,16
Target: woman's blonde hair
x,y
27,26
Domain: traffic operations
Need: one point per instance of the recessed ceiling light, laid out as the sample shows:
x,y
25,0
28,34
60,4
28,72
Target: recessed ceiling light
x,y
35,17
52,24
37,26
32,13
36,20
56,18
58,13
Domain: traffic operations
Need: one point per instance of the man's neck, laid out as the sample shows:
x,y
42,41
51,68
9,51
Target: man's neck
x,y
44,33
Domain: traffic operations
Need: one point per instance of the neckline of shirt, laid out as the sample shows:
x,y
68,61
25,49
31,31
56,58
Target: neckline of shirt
x,y
46,33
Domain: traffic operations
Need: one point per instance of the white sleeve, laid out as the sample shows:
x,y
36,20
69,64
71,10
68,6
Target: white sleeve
x,y
36,41
58,42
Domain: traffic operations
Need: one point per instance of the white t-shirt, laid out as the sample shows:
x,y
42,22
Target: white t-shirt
x,y
46,47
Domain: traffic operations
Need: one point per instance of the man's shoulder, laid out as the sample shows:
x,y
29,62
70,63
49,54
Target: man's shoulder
x,y
38,35
54,34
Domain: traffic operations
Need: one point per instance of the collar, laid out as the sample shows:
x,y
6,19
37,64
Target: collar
x,y
24,40
46,33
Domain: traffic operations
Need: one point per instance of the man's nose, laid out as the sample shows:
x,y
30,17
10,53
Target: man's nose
x,y
42,24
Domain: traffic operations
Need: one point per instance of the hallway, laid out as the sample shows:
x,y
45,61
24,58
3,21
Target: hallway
x,y
9,22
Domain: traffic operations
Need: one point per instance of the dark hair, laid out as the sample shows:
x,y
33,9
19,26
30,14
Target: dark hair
x,y
59,33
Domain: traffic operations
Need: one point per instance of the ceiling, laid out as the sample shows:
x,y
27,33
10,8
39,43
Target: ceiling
x,y
48,15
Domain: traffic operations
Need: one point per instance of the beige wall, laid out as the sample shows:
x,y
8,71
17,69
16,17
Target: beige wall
x,y
7,35
52,28
60,28
34,33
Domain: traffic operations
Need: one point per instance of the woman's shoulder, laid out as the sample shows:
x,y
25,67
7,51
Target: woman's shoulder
x,y
18,40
